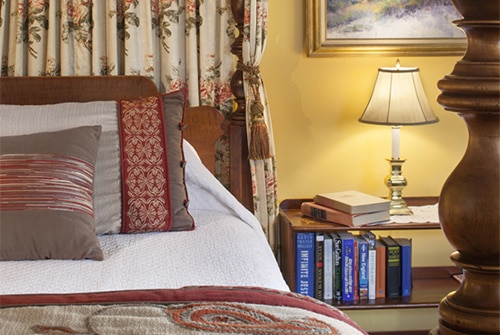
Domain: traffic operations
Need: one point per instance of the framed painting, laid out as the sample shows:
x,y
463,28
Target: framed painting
x,y
384,27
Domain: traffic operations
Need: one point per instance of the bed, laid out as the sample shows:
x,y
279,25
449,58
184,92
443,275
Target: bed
x,y
121,229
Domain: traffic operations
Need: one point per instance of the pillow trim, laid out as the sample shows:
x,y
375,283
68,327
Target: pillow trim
x,y
183,162
132,220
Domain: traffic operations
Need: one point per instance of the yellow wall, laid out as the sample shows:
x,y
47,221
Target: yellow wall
x,y
321,147
316,102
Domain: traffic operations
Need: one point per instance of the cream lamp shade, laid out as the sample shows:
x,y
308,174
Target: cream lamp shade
x,y
398,99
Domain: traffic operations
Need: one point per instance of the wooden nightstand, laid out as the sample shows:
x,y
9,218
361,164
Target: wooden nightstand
x,y
430,284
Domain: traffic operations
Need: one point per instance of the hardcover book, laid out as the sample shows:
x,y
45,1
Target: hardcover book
x,y
318,276
393,267
328,268
405,251
380,272
337,283
321,212
353,202
347,266
360,274
371,239
304,266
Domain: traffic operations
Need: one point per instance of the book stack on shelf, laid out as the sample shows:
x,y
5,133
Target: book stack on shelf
x,y
348,208
348,267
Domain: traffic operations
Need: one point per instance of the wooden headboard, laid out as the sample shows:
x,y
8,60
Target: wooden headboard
x,y
204,124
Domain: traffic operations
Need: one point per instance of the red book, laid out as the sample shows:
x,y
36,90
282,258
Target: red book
x,y
380,271
320,212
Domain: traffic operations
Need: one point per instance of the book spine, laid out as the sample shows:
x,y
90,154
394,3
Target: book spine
x,y
319,275
356,269
328,269
393,267
347,267
363,268
371,239
380,272
327,214
405,245
337,288
304,266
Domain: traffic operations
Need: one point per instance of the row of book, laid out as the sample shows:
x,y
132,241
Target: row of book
x,y
343,266
349,208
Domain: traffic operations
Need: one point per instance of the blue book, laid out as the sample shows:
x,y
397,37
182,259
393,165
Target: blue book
x,y
405,255
362,267
304,263
347,266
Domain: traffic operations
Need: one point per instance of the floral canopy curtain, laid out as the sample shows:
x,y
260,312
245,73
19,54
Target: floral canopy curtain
x,y
177,43
259,128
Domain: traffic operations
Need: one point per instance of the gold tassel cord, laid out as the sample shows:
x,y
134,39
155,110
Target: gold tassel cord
x,y
259,147
259,140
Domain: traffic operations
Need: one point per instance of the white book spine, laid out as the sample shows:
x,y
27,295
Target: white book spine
x,y
372,266
328,269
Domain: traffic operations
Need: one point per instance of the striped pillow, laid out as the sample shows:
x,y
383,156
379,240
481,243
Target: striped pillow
x,y
46,188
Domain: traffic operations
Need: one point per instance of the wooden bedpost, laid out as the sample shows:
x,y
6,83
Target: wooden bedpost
x,y
469,202
241,185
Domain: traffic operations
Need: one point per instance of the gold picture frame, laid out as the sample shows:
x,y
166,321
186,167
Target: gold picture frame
x,y
319,43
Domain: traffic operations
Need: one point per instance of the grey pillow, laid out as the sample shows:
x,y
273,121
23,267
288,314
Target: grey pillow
x,y
46,207
173,110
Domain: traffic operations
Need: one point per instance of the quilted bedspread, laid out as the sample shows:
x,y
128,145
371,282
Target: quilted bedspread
x,y
189,310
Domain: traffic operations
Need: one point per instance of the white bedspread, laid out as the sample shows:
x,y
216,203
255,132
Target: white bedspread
x,y
227,247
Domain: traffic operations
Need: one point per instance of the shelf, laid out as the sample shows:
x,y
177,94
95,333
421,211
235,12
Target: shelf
x,y
429,284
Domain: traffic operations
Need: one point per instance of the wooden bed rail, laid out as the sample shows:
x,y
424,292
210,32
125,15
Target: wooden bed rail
x,y
46,90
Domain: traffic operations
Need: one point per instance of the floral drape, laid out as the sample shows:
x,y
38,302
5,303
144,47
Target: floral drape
x,y
177,43
262,157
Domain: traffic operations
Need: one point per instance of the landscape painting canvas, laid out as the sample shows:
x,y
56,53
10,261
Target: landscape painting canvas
x,y
389,27
391,19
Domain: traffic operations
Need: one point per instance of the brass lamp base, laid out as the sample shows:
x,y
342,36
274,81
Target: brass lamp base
x,y
395,181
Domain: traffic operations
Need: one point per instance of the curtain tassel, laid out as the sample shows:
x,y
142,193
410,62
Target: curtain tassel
x,y
259,147
259,141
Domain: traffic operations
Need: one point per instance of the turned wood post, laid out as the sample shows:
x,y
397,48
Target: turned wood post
x,y
241,187
469,201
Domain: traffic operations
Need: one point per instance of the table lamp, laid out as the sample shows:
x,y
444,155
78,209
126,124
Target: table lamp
x,y
398,99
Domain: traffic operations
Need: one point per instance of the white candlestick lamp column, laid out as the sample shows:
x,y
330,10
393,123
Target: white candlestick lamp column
x,y
395,141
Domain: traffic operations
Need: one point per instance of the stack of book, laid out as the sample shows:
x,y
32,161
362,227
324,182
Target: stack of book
x,y
347,267
349,208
